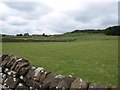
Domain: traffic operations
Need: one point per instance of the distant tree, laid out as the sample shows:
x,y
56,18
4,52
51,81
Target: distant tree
x,y
19,35
3,35
115,30
26,34
45,35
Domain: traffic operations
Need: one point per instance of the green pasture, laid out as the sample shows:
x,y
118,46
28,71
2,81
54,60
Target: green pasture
x,y
92,60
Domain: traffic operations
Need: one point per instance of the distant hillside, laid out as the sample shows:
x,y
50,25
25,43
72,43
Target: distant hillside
x,y
88,31
114,30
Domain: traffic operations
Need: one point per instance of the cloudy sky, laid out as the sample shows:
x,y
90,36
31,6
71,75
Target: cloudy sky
x,y
56,16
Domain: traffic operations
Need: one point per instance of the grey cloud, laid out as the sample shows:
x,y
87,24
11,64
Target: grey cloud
x,y
17,23
30,10
109,21
14,29
96,10
58,24
22,6
2,18
64,27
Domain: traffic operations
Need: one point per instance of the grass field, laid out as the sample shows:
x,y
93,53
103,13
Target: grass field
x,y
92,60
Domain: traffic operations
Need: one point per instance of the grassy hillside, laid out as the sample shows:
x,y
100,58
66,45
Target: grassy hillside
x,y
58,38
91,59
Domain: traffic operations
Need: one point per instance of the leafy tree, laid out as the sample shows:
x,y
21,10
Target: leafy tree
x,y
44,35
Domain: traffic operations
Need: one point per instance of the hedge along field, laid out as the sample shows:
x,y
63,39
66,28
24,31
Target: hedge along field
x,y
92,60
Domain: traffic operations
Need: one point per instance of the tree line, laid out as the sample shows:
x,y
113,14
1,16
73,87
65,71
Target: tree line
x,y
26,35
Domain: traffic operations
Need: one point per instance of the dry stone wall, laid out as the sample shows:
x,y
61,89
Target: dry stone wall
x,y
16,73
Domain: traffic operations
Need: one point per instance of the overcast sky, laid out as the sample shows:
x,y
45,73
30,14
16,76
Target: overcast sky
x,y
56,16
